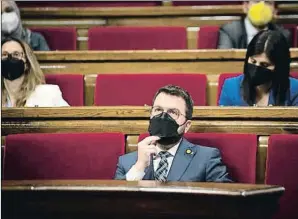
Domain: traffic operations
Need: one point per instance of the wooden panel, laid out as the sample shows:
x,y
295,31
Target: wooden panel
x,y
141,112
130,11
90,81
261,158
148,199
147,55
131,143
192,21
165,10
192,37
64,22
134,120
82,40
195,188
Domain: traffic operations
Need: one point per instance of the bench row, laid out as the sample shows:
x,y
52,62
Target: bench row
x,y
59,156
138,38
132,89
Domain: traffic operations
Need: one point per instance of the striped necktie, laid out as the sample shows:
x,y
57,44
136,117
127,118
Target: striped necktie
x,y
162,169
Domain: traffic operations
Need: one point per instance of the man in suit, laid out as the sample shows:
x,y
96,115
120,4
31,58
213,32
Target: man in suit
x,y
259,16
165,155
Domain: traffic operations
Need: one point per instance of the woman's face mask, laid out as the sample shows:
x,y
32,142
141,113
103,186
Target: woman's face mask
x,y
12,60
259,75
12,68
260,70
10,22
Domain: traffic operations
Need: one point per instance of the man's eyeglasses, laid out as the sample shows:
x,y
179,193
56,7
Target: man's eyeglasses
x,y
173,112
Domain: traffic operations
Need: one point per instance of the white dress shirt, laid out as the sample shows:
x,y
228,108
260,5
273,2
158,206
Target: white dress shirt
x,y
134,174
251,31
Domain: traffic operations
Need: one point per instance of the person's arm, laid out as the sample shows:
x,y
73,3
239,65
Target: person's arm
x,y
216,171
224,40
59,101
134,174
41,44
120,171
293,92
224,99
294,101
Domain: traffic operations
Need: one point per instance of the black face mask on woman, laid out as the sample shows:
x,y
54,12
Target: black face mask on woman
x,y
12,68
259,75
165,127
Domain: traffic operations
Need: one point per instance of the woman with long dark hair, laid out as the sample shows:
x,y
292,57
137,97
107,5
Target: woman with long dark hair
x,y
266,78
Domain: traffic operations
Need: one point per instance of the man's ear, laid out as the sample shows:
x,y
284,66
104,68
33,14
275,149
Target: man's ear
x,y
187,126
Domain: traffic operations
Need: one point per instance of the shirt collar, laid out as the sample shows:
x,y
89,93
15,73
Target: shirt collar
x,y
172,150
251,31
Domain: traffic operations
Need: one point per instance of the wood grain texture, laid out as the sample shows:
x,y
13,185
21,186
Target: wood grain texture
x,y
148,55
143,11
140,112
261,158
223,189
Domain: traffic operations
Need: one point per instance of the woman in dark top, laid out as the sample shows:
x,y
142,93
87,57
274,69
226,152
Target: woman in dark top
x,y
12,27
266,79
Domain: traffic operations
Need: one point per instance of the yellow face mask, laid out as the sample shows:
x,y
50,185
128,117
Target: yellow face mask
x,y
260,14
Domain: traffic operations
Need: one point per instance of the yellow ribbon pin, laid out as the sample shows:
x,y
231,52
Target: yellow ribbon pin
x,y
188,151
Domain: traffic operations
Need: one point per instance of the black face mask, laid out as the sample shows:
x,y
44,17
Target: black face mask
x,y
12,68
259,75
165,127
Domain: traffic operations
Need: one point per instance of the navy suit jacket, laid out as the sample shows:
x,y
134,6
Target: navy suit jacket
x,y
204,164
231,93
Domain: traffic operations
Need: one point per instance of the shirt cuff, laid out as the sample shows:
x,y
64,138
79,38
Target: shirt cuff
x,y
134,174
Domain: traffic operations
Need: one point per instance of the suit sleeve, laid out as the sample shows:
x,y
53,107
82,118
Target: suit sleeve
x,y
294,101
120,171
216,171
224,40
224,99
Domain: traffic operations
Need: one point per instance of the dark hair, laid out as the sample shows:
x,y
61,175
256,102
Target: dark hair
x,y
178,92
276,48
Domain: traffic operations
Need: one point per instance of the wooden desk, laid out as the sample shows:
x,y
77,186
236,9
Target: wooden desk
x,y
90,63
144,199
187,16
134,120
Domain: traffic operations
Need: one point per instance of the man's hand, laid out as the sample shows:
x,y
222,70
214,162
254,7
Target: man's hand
x,y
145,149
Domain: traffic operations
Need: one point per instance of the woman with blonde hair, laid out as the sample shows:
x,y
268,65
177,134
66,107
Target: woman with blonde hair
x,y
23,82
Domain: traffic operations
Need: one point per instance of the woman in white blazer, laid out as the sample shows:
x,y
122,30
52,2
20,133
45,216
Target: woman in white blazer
x,y
23,82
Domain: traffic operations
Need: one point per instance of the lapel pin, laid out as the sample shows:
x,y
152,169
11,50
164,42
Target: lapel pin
x,y
188,151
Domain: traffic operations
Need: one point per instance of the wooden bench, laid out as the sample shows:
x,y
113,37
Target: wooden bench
x,y
90,63
187,16
134,120
144,199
